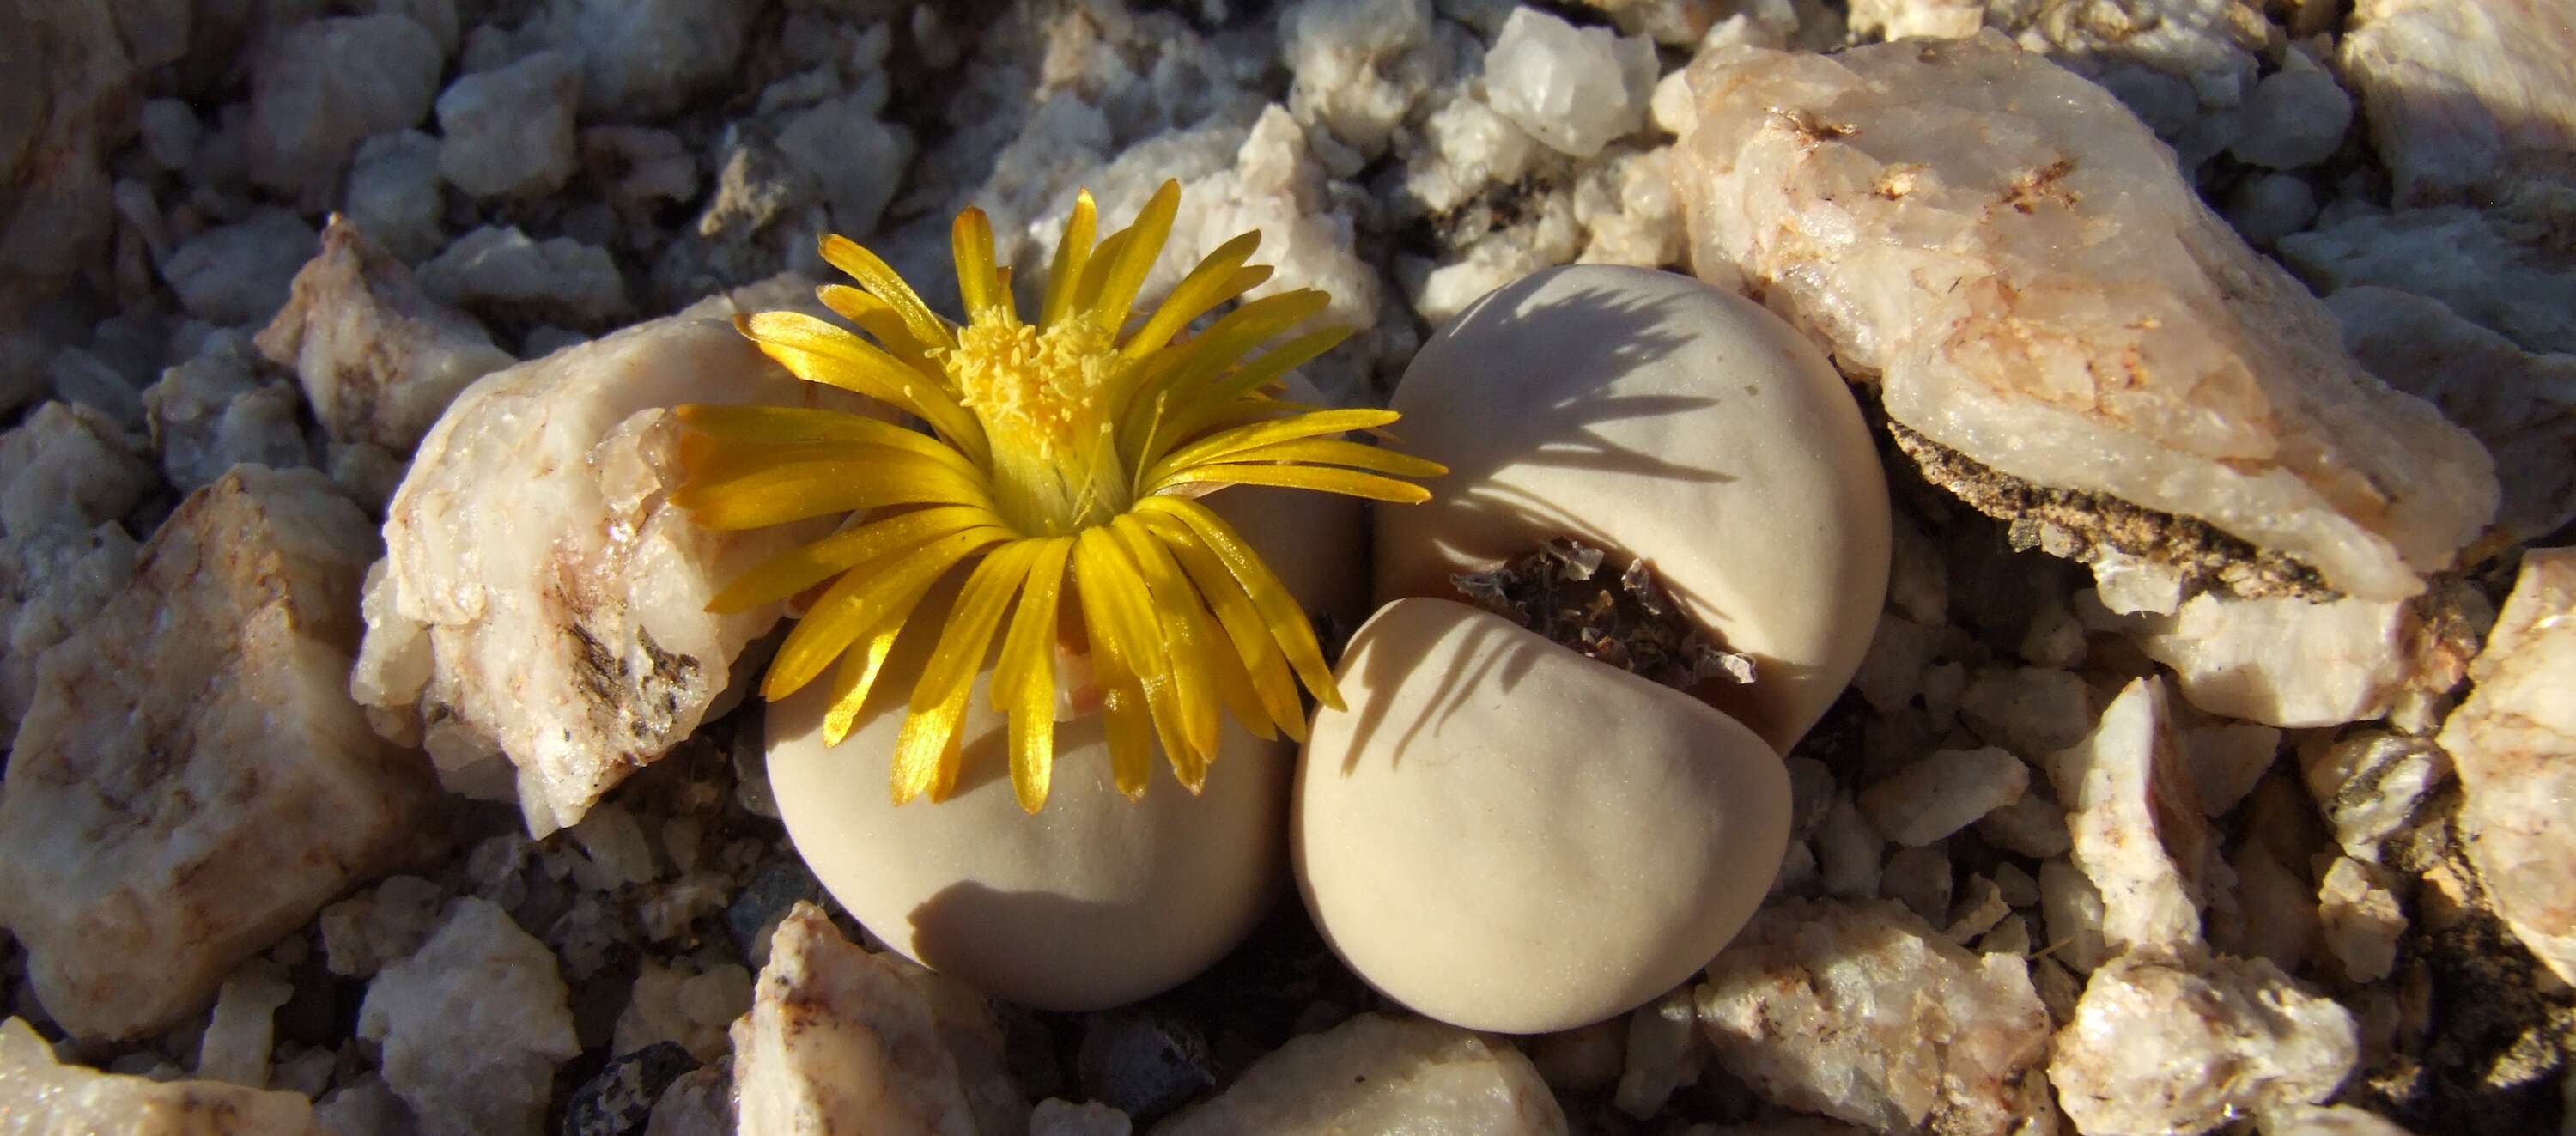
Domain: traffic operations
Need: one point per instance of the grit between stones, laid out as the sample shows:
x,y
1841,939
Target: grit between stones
x,y
2204,768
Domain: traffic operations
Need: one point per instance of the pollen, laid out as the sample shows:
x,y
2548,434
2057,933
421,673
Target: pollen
x,y
1041,386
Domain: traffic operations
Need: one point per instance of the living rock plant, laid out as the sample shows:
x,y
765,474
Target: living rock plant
x,y
1060,469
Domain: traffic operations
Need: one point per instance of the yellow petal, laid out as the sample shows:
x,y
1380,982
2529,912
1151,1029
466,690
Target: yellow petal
x,y
1024,681
1197,407
1287,622
855,676
924,750
1260,657
796,489
797,569
883,282
1233,334
1328,451
925,753
857,603
1199,292
821,352
1225,444
1072,253
878,318
971,239
1178,600
1134,258
1321,478
1128,721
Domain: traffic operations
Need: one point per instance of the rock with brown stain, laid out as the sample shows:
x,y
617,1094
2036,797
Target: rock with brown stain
x,y
837,1041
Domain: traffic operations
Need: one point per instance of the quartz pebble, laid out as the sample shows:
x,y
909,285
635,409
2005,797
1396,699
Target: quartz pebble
x,y
2157,1046
216,675
508,132
2514,740
472,1025
393,194
1862,1012
2139,833
558,617
239,273
2468,259
2522,404
2016,259
1756,498
40,1096
2294,117
2468,102
1381,1074
243,1028
837,1041
378,926
501,268
217,411
322,85
2359,916
378,359
66,473
1947,790
1097,900
1473,849
2288,662
1575,89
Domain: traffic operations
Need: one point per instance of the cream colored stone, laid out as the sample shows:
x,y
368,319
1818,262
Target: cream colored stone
x,y
473,1025
837,1041
2468,102
1379,1074
1864,1013
2137,824
1502,834
2514,741
40,1096
378,359
2291,662
192,780
2158,1046
1097,900
2017,259
1653,416
540,597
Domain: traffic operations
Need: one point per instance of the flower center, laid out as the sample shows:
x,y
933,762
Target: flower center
x,y
1041,397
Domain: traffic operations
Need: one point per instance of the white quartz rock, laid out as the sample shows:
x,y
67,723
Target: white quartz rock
x,y
217,411
2468,102
508,132
1470,833
2514,741
2288,662
2470,260
378,359
1902,19
2360,918
1380,1074
243,1028
2139,833
2014,256
217,675
1942,792
66,466
473,1025
540,597
1866,1014
41,1096
500,267
2521,404
1575,89
2158,1046
1350,66
66,474
2294,117
838,1041
1653,416
2186,67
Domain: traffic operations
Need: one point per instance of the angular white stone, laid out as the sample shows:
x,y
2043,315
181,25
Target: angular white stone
x,y
66,473
1349,66
319,86
1379,1074
378,359
1470,832
508,132
2521,404
837,1041
557,278
1864,1013
1943,792
243,1028
2014,256
2139,833
217,675
2288,662
2186,67
2156,1046
2294,117
556,615
1575,89
2468,102
217,411
363,933
1652,416
472,1025
2514,740
40,1096
2470,260
2360,918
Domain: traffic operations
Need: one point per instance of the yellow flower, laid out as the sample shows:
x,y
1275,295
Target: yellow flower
x,y
1063,459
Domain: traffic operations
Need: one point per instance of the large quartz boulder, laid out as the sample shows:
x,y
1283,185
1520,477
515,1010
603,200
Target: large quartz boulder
x,y
540,598
2514,743
2043,297
193,780
40,1096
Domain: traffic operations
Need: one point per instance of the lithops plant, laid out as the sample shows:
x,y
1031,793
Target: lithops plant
x,y
1499,831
